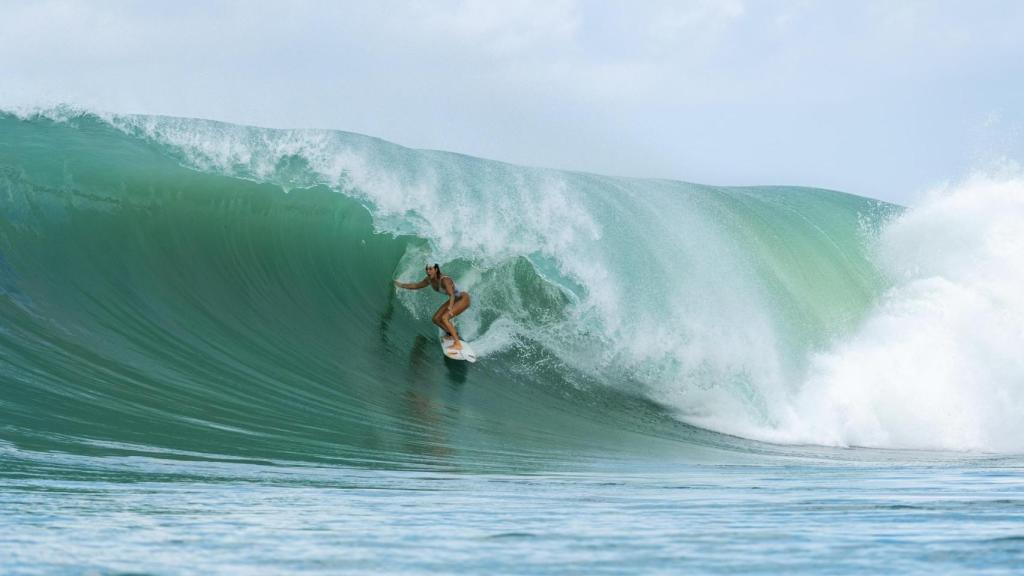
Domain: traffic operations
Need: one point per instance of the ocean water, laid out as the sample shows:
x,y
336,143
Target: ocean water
x,y
204,367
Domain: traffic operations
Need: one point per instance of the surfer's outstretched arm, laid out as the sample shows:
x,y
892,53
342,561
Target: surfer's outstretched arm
x,y
413,285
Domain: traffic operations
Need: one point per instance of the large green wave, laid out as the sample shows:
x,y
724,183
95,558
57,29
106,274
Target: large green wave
x,y
196,289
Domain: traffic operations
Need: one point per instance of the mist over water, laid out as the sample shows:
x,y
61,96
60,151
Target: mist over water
x,y
937,362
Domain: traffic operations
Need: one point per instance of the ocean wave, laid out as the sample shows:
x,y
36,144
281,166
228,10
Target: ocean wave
x,y
230,282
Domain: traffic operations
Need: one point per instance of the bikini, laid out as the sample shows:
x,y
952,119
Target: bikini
x,y
455,290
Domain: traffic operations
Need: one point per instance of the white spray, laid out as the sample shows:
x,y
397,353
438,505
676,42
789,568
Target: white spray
x,y
940,362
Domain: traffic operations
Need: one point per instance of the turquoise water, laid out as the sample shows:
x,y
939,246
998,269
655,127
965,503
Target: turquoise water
x,y
139,515
206,370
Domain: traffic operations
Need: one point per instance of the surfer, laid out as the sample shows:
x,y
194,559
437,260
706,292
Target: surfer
x,y
457,302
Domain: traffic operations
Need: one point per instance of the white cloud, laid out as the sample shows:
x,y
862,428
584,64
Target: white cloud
x,y
504,29
683,24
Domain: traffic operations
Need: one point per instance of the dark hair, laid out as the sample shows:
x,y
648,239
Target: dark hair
x,y
437,269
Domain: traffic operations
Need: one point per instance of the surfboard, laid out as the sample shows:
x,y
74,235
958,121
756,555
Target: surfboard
x,y
466,353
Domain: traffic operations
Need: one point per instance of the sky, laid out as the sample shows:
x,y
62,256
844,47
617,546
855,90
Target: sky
x,y
883,99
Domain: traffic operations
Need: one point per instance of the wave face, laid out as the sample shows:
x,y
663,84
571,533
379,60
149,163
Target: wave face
x,y
193,287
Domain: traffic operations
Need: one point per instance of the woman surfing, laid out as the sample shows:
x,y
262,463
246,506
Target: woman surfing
x,y
457,302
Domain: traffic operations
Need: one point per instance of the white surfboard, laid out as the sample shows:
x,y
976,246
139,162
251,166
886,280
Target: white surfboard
x,y
466,353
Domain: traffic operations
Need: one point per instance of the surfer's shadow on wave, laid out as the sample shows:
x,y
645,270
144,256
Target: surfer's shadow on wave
x,y
457,370
422,364
431,401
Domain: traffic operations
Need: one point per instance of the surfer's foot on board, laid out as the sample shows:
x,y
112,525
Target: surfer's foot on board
x,y
455,346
